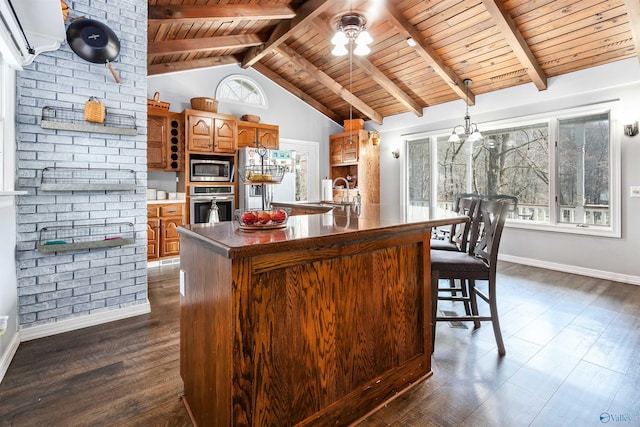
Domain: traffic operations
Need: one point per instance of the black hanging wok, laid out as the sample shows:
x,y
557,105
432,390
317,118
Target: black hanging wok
x,y
93,41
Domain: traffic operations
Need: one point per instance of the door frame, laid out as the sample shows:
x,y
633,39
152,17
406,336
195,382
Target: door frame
x,y
313,148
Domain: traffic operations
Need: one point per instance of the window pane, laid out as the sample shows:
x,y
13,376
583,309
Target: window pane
x,y
515,162
453,162
419,181
583,170
301,165
241,89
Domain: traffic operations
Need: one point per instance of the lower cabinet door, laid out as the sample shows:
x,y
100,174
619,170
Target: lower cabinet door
x,y
170,248
153,239
170,239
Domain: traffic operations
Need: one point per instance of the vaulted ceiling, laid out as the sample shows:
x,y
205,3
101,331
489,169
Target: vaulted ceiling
x,y
495,43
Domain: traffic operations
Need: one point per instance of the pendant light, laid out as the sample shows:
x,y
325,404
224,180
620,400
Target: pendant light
x,y
469,131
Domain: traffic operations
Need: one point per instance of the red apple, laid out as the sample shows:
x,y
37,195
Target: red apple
x,y
264,217
249,218
279,216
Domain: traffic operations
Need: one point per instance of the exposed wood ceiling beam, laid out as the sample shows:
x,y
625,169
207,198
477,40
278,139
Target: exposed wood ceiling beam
x,y
172,67
377,75
185,14
393,90
328,82
307,12
170,47
510,31
633,11
277,79
427,53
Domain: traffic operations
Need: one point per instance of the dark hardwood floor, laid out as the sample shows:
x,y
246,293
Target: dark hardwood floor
x,y
573,355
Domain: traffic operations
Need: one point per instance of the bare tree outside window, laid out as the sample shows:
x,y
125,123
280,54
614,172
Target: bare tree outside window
x,y
515,162
583,170
511,161
419,179
453,166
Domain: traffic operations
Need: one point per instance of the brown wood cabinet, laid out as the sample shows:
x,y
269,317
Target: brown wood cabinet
x,y
355,158
267,135
162,230
165,140
210,133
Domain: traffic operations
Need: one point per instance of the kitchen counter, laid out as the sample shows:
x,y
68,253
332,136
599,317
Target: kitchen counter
x,y
165,201
318,323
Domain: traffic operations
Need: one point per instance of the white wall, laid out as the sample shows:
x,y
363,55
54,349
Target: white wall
x,y
599,256
296,119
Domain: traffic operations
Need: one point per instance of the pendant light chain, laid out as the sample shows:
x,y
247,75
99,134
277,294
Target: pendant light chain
x,y
350,91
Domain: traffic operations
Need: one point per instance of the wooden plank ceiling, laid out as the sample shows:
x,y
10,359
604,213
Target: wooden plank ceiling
x,y
496,43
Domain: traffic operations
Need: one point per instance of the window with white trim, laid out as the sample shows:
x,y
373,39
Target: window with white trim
x,y
241,89
563,169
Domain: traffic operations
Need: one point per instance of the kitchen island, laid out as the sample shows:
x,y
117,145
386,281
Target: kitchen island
x,y
319,323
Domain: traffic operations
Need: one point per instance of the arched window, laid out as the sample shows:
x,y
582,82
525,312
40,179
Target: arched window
x,y
241,89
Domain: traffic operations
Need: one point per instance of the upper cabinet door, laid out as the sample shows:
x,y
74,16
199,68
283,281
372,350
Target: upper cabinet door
x,y
226,133
157,142
335,148
350,148
246,136
268,137
200,133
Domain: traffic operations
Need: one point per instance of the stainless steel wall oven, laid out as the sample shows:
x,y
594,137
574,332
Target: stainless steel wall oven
x,y
201,199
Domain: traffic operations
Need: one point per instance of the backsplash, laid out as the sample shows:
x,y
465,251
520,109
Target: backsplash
x,y
70,284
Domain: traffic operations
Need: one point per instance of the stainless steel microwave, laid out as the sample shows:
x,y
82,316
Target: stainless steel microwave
x,y
207,170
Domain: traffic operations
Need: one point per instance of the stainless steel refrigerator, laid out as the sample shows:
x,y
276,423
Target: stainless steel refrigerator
x,y
250,196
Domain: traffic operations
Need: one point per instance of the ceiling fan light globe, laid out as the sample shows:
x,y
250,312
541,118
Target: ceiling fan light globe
x,y
339,39
364,38
339,50
361,50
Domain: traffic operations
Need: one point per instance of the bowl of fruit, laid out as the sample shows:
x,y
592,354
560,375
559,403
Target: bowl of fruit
x,y
258,219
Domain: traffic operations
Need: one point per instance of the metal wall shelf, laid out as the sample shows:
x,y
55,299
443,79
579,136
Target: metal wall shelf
x,y
79,179
73,119
79,237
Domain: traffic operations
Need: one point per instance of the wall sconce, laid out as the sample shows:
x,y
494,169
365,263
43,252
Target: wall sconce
x,y
631,130
396,153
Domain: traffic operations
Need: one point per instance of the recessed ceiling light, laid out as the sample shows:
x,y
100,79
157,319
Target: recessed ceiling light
x,y
411,42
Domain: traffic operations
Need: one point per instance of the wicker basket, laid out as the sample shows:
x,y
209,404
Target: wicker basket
x,y
251,118
205,104
156,103
94,110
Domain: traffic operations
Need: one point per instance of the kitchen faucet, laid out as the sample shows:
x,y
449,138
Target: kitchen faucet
x,y
346,183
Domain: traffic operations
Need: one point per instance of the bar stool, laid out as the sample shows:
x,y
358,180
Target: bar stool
x,y
459,233
478,263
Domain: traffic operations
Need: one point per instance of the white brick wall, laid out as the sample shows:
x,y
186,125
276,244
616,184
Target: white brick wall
x,y
52,287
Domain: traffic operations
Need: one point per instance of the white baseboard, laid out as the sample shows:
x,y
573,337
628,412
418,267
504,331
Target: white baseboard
x,y
160,263
67,325
7,356
599,274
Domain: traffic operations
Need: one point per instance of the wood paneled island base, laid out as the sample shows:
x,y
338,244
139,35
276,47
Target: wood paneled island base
x,y
316,324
